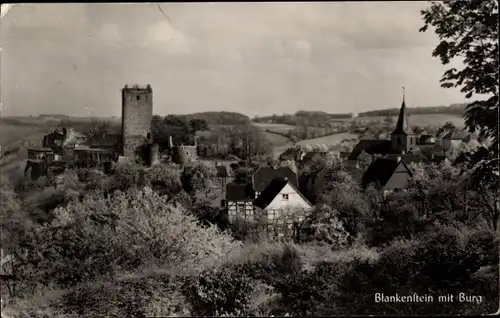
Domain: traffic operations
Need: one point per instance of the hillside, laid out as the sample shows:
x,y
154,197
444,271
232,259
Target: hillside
x,y
218,118
454,109
302,117
319,118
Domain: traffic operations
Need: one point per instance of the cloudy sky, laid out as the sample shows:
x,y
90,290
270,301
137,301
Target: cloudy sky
x,y
254,58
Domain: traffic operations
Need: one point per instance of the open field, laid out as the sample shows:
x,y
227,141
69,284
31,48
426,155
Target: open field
x,y
13,134
329,141
275,139
435,120
280,128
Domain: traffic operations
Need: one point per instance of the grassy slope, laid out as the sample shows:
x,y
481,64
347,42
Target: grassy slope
x,y
419,120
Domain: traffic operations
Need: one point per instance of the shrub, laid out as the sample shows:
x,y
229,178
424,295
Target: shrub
x,y
133,295
226,289
99,236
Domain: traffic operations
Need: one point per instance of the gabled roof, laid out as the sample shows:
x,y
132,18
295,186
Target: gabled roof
x,y
371,146
222,171
408,158
286,173
274,188
402,125
263,176
239,192
271,191
381,170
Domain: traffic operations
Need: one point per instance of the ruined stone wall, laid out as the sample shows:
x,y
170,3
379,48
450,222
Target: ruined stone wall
x,y
137,112
184,154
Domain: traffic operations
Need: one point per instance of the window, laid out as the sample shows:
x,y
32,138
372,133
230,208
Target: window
x,y
241,207
138,97
399,140
285,196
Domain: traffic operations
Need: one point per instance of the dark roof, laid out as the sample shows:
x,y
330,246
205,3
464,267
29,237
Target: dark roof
x,y
286,173
402,125
381,170
262,177
271,191
222,171
371,146
409,158
239,192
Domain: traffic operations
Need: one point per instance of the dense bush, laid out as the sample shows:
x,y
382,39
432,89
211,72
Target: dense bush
x,y
225,290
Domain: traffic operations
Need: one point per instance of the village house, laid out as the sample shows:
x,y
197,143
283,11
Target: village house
x,y
279,195
282,205
263,176
239,201
388,174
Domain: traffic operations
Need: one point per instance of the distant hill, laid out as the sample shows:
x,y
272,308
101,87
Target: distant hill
x,y
454,109
302,117
218,118
319,118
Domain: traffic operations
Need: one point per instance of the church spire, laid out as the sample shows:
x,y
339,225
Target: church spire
x,y
403,126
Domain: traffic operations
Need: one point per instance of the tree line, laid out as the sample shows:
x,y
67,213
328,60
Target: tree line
x,y
302,118
454,109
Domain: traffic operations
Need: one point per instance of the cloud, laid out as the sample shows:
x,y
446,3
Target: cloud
x,y
110,32
164,37
302,49
255,58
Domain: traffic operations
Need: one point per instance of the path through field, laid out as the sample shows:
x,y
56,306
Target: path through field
x,y
330,140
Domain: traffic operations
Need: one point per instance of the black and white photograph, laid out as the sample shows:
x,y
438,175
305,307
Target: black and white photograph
x,y
249,159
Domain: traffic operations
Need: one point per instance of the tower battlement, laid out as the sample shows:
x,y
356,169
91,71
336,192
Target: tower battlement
x,y
137,88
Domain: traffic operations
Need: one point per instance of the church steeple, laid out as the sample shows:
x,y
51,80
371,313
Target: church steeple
x,y
403,126
403,139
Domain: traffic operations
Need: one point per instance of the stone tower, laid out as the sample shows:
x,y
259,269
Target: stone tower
x,y
137,112
403,139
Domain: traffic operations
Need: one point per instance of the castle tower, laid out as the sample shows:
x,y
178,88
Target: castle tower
x,y
403,139
137,113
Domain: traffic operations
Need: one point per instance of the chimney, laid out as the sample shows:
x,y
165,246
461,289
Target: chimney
x,y
170,142
196,141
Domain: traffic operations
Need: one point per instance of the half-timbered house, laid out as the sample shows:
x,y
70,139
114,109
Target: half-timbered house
x,y
239,201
